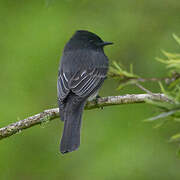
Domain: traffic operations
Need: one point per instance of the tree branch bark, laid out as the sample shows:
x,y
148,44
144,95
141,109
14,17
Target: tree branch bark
x,y
50,114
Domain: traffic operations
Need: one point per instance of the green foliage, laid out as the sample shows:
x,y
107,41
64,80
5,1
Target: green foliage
x,y
175,137
169,109
172,60
125,78
172,63
115,69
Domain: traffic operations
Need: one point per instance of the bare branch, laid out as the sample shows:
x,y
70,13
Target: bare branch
x,y
51,114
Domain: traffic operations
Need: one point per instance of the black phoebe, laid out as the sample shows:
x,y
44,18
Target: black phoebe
x,y
83,69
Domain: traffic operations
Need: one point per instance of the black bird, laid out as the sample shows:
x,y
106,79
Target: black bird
x,y
83,69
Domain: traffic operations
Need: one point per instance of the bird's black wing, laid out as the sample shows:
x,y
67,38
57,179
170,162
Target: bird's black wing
x,y
81,73
62,92
62,85
87,81
83,83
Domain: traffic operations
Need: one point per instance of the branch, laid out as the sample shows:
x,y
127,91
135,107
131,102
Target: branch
x,y
51,114
167,80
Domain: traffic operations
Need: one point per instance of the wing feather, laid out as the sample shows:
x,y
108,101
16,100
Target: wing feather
x,y
62,86
83,83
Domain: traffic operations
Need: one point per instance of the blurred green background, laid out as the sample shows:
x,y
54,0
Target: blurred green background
x,y
115,143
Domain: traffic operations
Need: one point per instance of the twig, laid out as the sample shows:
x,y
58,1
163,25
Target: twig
x,y
143,88
51,114
167,80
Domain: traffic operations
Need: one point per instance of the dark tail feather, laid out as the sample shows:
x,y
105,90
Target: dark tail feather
x,y
61,110
72,125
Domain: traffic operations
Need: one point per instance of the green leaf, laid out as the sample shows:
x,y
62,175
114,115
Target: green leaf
x,y
162,115
171,55
163,105
115,68
162,88
162,60
176,38
175,137
176,119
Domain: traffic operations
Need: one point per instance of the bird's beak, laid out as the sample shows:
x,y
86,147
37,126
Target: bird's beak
x,y
105,43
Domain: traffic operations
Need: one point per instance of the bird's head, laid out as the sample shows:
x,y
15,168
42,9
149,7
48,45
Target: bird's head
x,y
85,39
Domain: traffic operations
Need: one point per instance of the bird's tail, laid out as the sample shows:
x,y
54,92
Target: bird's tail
x,y
70,140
